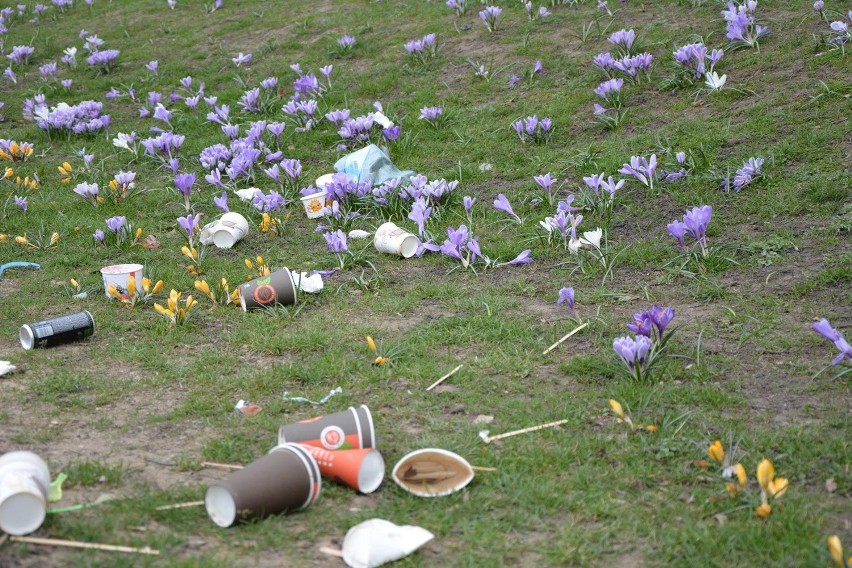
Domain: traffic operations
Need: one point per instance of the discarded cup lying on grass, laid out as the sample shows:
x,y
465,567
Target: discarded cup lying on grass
x,y
285,480
323,180
362,470
225,231
394,240
118,275
377,541
63,329
314,204
350,429
275,288
24,485
432,472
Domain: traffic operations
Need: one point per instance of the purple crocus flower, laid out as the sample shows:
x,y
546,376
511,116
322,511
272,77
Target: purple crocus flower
x,y
336,242
514,80
153,67
642,169
391,133
610,185
546,182
696,221
661,317
623,39
468,203
632,351
420,212
98,235
566,296
21,202
189,223
241,58
222,202
642,324
489,17
824,328
523,258
346,42
678,230
502,204
432,115
115,224
184,183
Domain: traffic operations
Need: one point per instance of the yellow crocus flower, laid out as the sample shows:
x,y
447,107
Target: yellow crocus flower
x,y
8,173
616,408
22,241
835,548
54,238
372,345
139,232
249,264
235,295
381,360
732,489
266,223
163,311
260,261
113,185
716,451
157,287
4,155
742,476
763,511
74,283
13,148
146,284
224,284
765,474
190,303
172,304
778,487
651,428
131,285
113,291
3,238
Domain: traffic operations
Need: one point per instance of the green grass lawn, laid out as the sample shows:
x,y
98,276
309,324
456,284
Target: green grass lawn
x,y
134,411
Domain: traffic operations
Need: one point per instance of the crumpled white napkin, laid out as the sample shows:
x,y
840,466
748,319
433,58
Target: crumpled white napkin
x,y
6,367
358,234
246,194
307,284
377,541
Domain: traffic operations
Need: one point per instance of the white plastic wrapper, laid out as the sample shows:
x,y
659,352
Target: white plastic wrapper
x,y
377,542
6,367
308,284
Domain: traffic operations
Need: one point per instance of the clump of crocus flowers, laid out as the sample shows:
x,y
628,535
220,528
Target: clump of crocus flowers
x,y
531,129
381,357
135,294
694,224
176,312
259,267
15,151
220,294
640,352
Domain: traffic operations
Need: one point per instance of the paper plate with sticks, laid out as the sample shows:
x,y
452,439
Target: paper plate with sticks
x,y
432,472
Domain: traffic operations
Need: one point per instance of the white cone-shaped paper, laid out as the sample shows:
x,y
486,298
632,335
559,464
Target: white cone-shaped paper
x,y
376,542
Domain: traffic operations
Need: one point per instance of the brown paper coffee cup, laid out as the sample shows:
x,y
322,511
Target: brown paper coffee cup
x,y
287,479
347,430
276,288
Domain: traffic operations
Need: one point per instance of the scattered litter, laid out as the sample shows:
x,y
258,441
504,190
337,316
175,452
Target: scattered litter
x,y
377,541
314,204
346,430
225,231
102,498
432,472
222,465
17,264
118,275
395,240
830,485
24,486
485,167
285,480
488,439
308,283
63,329
180,506
384,121
444,378
80,296
362,470
77,544
358,234
483,419
247,408
564,337
54,493
247,194
150,242
275,288
323,400
6,367
370,163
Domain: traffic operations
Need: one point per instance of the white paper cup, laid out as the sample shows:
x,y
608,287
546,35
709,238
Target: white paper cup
x,y
314,204
323,180
24,485
229,229
118,275
393,240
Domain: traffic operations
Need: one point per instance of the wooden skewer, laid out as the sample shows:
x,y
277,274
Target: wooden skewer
x,y
331,551
444,378
558,343
180,505
76,544
222,465
490,439
478,468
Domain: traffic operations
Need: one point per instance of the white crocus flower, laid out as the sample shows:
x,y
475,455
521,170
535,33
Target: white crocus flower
x,y
574,245
246,194
592,238
714,82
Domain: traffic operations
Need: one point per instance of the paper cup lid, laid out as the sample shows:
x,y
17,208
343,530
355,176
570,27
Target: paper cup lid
x,y
220,506
21,513
372,472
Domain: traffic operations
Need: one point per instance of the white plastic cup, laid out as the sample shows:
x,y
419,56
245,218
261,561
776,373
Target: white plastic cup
x,y
24,485
323,180
394,240
118,275
230,228
314,204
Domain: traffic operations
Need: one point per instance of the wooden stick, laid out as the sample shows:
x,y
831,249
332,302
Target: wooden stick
x,y
331,551
490,439
558,343
477,468
76,544
444,378
222,465
180,506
